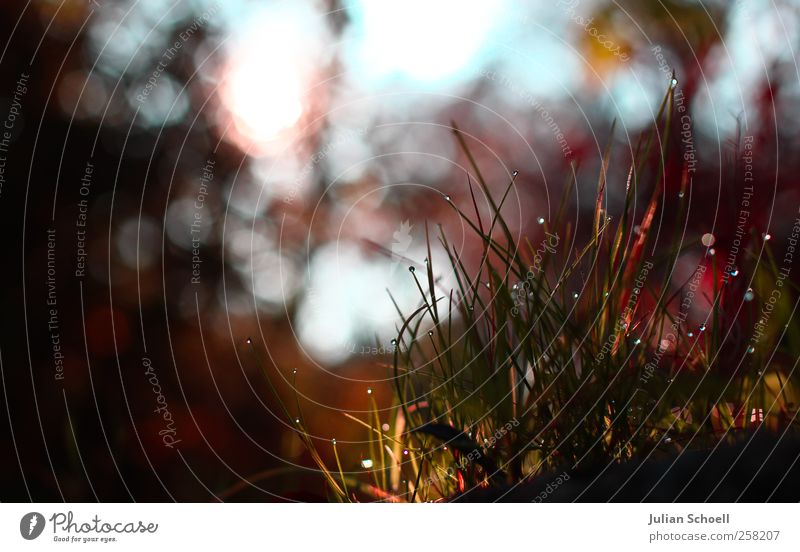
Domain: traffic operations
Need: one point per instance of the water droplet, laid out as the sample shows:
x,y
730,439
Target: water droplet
x,y
411,269
673,83
575,295
333,441
515,173
430,333
297,420
488,285
444,448
369,390
760,372
702,327
668,440
294,370
426,260
734,272
385,427
637,341
540,220
748,295
690,334
680,194
446,198
606,294
394,342
515,286
751,349
249,341
366,463
712,251
471,307
708,239
405,452
766,236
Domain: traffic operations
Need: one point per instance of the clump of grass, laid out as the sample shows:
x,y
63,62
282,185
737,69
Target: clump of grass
x,y
539,359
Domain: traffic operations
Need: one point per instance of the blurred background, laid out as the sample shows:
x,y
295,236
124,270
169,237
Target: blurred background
x,y
180,177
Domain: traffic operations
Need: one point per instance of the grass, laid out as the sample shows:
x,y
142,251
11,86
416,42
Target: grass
x,y
540,359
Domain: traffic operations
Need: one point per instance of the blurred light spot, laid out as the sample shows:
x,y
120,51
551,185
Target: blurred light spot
x,y
420,39
167,103
268,72
84,94
346,300
273,278
142,232
180,216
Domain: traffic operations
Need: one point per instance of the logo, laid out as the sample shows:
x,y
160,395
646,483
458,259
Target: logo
x,y
402,241
31,525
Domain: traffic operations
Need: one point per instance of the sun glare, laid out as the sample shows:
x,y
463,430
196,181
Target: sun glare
x,y
268,75
264,96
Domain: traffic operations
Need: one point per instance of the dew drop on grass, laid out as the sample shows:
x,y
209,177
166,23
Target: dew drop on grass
x,y
430,333
294,370
766,236
673,83
411,269
369,390
297,420
734,272
405,452
712,251
333,441
637,341
690,334
540,220
748,295
575,295
751,349
394,342
702,327
680,194
249,341
385,427
708,239
426,260
446,197
366,463
515,173
471,307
